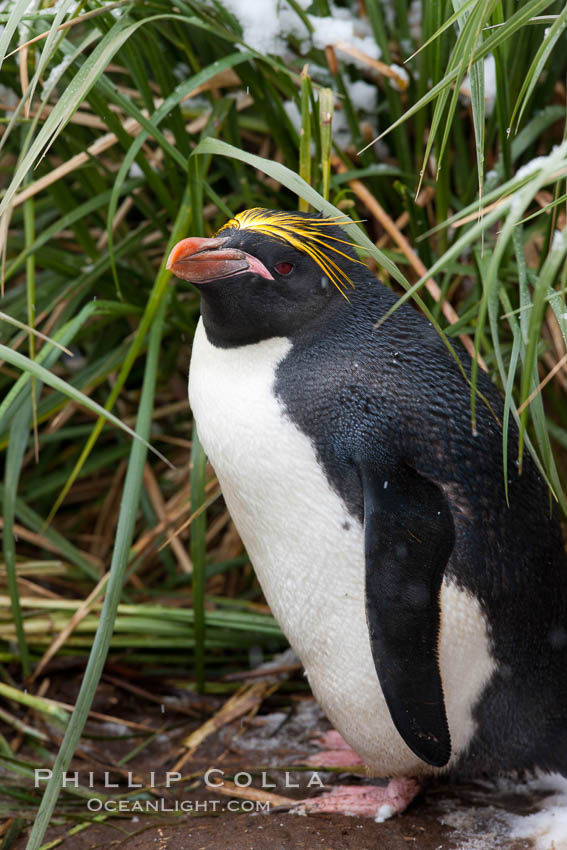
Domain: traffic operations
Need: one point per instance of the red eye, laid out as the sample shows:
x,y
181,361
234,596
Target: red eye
x,y
283,268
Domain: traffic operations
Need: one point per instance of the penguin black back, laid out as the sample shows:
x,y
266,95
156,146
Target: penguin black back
x,y
387,411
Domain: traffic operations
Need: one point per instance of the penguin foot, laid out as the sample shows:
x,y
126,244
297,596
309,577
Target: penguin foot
x,y
336,752
371,801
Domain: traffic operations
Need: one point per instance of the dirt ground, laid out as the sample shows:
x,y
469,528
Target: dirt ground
x,y
422,827
264,752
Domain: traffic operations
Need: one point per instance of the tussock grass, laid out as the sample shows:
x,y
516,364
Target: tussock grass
x,y
102,106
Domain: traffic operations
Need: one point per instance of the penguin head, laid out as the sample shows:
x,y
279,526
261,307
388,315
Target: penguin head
x,y
268,273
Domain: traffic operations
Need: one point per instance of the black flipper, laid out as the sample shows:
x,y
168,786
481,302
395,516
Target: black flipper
x,y
409,536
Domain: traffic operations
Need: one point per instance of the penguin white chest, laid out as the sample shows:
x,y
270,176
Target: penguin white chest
x,y
308,553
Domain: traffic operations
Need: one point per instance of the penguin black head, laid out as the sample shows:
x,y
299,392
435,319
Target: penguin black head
x,y
268,273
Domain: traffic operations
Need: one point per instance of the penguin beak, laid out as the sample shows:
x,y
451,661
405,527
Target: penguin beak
x,y
203,260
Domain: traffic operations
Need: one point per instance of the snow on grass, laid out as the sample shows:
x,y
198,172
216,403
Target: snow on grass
x,y
8,97
24,26
181,71
530,167
294,115
414,20
343,27
389,12
363,97
341,130
558,241
57,71
135,171
267,24
489,85
70,11
402,81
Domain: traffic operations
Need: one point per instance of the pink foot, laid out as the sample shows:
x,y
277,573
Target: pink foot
x,y
337,752
371,801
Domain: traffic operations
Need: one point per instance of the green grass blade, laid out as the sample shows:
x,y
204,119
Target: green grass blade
x,y
169,103
326,109
124,535
19,433
297,185
76,92
33,368
69,102
545,280
305,134
198,554
537,66
36,523
154,301
518,20
9,29
50,353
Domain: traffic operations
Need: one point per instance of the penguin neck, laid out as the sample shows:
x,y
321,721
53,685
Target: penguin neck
x,y
230,323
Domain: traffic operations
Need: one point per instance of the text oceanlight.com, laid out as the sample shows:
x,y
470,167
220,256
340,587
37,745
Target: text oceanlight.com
x,y
213,779
161,806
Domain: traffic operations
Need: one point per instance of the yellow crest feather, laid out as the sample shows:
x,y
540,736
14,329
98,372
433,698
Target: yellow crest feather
x,y
304,234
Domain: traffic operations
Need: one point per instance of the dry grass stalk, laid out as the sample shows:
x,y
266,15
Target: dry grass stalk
x,y
559,365
246,699
79,615
381,67
229,789
131,126
44,543
158,503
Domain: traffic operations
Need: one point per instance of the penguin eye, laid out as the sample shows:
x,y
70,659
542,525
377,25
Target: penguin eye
x,y
283,268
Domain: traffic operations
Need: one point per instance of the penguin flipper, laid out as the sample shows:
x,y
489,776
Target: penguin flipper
x,y
409,536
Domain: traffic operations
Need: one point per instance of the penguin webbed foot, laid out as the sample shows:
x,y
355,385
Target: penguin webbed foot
x,y
335,752
379,802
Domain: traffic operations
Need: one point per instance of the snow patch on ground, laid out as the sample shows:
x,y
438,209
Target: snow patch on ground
x,y
547,827
490,814
283,731
474,827
341,129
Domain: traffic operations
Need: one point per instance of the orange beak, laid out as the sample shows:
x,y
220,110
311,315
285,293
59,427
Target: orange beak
x,y
202,260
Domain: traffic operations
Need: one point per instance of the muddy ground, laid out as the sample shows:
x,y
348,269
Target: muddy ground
x,y
265,749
